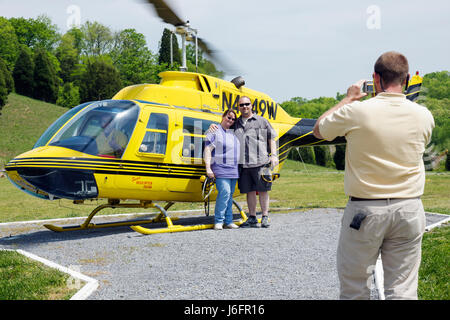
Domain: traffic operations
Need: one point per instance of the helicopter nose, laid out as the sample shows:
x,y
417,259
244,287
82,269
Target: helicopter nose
x,y
61,183
51,177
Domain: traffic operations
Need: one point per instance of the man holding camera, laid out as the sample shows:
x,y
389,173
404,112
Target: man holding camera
x,y
384,179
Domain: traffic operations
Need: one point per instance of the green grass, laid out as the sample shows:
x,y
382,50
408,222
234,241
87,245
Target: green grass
x,y
22,122
24,279
434,273
305,186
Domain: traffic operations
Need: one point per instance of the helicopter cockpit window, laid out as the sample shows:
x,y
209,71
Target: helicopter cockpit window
x,y
155,139
103,129
194,131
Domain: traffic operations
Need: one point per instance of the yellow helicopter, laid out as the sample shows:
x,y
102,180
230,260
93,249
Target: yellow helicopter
x,y
156,151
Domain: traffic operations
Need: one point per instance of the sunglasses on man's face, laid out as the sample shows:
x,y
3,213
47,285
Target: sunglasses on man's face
x,y
246,104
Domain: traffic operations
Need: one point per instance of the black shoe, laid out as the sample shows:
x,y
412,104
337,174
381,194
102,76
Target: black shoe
x,y
251,222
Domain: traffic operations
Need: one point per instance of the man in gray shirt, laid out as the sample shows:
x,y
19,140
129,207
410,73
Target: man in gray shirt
x,y
256,137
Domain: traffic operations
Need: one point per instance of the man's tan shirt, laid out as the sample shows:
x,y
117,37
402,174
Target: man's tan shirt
x,y
386,137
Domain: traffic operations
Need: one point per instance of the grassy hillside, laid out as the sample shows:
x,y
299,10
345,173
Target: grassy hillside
x,y
22,122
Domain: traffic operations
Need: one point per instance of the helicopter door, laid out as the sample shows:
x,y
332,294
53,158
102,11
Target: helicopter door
x,y
190,156
154,143
151,174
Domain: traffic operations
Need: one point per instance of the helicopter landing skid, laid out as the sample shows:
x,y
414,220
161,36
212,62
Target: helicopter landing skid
x,y
180,228
115,204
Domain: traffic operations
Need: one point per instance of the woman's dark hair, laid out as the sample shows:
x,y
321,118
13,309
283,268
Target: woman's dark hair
x,y
228,111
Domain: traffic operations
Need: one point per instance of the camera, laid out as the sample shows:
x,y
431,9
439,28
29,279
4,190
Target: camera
x,y
367,87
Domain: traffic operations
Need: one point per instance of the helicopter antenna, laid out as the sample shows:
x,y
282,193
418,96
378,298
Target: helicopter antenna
x,y
171,49
196,52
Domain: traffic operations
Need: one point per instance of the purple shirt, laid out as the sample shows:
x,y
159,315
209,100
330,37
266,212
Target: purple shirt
x,y
225,152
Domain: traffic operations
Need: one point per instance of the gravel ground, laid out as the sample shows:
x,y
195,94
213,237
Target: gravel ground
x,y
293,259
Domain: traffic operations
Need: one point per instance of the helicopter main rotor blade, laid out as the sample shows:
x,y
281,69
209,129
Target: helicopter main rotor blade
x,y
216,56
206,47
166,13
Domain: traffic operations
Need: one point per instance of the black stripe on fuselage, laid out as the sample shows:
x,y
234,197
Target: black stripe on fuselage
x,y
112,162
301,135
111,166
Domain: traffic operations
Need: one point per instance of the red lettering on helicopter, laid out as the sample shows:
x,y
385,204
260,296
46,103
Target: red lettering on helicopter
x,y
139,182
259,107
145,184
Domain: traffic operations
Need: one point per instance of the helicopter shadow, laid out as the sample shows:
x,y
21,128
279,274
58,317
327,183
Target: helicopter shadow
x,y
24,236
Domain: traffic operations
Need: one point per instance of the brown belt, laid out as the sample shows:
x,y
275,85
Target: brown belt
x,y
363,199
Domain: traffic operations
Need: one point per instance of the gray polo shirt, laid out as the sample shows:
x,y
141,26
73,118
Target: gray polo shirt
x,y
254,139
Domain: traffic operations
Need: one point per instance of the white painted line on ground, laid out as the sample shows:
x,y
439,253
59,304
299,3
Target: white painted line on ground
x,y
437,224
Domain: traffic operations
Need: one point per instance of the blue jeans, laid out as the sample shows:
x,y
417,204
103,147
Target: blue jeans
x,y
224,202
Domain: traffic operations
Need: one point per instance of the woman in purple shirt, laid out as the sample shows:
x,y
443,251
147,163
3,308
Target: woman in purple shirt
x,y
221,159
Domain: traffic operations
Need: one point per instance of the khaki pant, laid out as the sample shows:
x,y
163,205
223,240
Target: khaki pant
x,y
393,228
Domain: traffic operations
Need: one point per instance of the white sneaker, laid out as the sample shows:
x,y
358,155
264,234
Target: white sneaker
x,y
231,226
218,226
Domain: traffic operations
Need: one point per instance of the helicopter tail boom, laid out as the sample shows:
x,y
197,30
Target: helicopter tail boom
x,y
301,135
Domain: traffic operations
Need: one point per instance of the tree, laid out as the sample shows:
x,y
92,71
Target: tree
x,y
441,114
68,57
68,96
39,32
340,96
190,55
314,108
322,155
203,65
164,48
23,73
132,58
8,43
292,108
3,91
9,81
339,157
303,154
436,85
101,80
78,39
435,95
98,39
447,162
46,83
